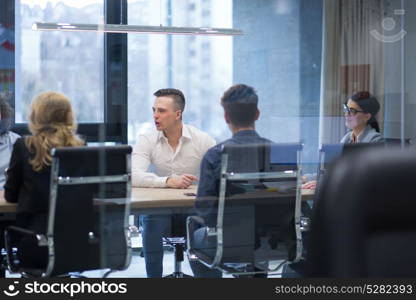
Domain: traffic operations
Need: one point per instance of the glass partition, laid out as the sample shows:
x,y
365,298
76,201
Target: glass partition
x,y
327,74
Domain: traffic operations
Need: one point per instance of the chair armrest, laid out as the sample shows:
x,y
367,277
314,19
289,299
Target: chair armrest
x,y
20,230
133,231
195,220
192,224
9,233
42,240
305,224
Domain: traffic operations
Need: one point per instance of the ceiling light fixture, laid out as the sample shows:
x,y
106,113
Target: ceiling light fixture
x,y
119,28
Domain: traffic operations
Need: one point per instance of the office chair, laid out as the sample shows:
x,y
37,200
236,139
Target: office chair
x,y
363,222
328,153
254,202
87,222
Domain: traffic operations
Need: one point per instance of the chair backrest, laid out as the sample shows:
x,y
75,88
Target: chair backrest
x,y
360,147
89,208
255,201
284,156
327,154
397,142
363,223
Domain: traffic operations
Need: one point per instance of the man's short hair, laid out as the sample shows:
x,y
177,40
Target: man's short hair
x,y
240,104
176,95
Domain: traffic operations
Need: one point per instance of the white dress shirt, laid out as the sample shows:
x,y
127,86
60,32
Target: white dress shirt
x,y
154,150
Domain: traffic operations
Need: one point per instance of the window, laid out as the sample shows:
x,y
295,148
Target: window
x,y
199,66
68,62
280,56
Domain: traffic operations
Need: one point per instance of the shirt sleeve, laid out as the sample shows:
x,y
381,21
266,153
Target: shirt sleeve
x,y
208,187
14,176
141,160
377,138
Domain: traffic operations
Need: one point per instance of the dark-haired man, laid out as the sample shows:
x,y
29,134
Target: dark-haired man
x,y
240,113
174,150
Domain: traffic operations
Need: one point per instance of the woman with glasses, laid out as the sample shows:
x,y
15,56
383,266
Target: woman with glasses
x,y
360,117
360,112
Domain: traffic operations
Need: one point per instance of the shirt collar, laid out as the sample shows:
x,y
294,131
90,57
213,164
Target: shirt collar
x,y
361,135
244,133
185,133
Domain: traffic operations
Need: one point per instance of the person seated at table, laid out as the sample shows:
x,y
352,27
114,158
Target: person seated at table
x,y
240,113
52,124
7,137
174,150
360,112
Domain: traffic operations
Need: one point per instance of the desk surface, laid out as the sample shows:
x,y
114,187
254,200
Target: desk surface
x,y
152,198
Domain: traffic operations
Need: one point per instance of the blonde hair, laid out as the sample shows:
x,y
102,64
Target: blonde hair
x,y
52,124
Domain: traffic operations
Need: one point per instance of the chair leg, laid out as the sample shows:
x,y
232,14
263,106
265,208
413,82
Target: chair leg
x,y
178,254
3,265
108,273
178,259
251,272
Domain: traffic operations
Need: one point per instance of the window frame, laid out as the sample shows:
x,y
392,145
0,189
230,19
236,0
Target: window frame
x,y
114,127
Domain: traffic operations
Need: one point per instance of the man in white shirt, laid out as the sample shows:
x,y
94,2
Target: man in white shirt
x,y
174,150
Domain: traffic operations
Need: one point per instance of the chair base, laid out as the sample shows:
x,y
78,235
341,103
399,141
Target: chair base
x,y
178,245
178,275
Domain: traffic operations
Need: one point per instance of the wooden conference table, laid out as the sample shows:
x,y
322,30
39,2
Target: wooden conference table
x,y
149,199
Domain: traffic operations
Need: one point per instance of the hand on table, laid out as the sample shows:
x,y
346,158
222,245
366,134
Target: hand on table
x,y
310,185
181,181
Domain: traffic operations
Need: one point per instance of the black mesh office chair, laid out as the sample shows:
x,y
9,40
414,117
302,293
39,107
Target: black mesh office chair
x,y
88,213
328,153
253,202
363,223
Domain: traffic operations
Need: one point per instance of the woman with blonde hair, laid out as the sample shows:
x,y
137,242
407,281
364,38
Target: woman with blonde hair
x,y
52,124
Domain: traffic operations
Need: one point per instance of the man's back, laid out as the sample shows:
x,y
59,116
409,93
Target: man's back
x,y
208,188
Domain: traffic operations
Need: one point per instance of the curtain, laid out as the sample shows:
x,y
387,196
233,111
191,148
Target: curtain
x,y
352,60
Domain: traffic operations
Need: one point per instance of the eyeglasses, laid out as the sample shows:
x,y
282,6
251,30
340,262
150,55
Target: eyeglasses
x,y
351,111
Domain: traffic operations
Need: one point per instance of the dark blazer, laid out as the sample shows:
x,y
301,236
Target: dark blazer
x,y
28,188
369,135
